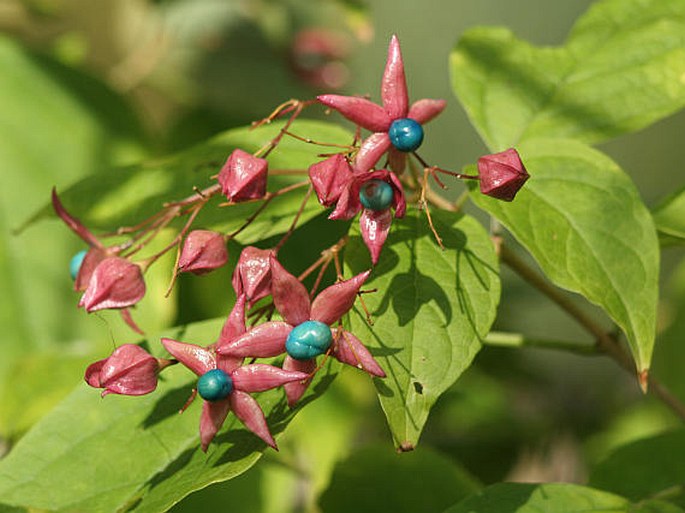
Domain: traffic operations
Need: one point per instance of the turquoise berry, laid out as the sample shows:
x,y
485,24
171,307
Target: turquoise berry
x,y
405,134
308,340
376,195
76,262
214,385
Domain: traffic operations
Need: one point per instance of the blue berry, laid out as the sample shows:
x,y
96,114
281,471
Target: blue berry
x,y
308,340
376,195
405,134
214,385
75,264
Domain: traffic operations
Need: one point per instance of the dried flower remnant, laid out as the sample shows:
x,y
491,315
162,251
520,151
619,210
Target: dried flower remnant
x,y
243,177
502,174
396,126
203,251
129,370
305,331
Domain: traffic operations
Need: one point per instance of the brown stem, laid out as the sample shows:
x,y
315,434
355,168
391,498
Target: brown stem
x,y
151,260
124,230
432,197
294,106
291,229
267,198
309,270
317,143
145,237
424,205
327,255
253,216
460,176
319,277
604,341
199,195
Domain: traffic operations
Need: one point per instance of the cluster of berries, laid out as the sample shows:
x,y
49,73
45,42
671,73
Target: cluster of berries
x,y
311,325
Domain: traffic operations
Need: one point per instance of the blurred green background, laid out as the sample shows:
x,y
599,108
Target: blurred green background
x,y
88,85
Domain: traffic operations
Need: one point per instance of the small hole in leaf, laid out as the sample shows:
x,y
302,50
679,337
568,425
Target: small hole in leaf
x,y
418,387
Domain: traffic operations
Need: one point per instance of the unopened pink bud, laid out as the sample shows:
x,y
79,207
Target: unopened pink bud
x,y
115,283
252,275
129,370
203,251
243,177
502,174
329,178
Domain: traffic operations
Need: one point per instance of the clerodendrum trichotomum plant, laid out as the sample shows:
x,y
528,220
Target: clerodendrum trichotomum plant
x,y
347,257
367,175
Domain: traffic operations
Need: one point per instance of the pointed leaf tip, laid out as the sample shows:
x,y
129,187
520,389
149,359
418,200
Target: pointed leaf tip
x,y
643,380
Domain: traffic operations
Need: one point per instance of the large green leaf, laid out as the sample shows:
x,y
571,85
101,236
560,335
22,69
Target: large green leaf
x,y
670,217
431,310
625,470
553,497
582,219
622,68
138,453
378,479
131,194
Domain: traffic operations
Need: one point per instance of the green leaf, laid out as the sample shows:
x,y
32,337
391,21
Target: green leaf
x,y
669,218
430,312
645,468
378,479
583,221
137,453
129,195
556,497
243,489
36,383
621,69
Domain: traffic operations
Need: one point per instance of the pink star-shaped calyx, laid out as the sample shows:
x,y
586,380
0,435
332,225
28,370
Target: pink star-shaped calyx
x,y
243,380
293,303
379,119
336,183
374,223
